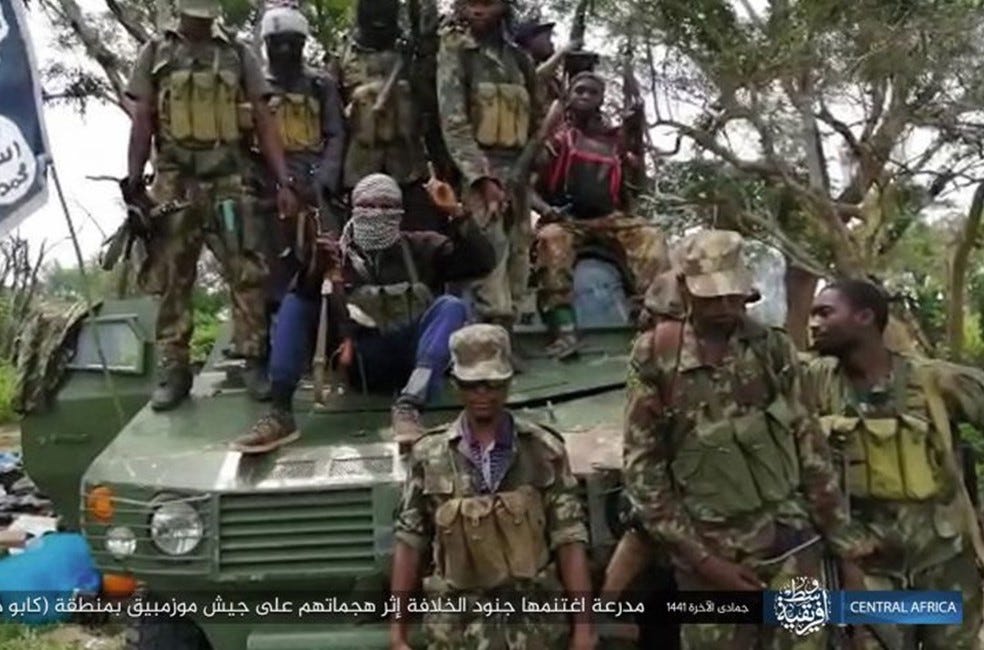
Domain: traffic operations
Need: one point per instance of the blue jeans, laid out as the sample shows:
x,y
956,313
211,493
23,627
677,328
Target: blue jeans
x,y
383,361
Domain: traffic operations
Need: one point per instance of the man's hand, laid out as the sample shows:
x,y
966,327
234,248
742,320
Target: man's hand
x,y
443,197
286,202
583,637
728,576
486,198
346,353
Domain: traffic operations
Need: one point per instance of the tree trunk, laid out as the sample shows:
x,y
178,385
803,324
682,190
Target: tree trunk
x,y
801,285
966,244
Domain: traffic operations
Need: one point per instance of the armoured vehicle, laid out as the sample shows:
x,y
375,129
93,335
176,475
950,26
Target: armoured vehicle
x,y
166,506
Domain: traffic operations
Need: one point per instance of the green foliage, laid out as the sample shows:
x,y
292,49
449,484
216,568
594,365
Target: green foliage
x,y
8,390
203,338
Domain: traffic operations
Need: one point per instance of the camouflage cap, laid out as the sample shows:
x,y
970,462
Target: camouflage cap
x,y
199,8
713,264
481,352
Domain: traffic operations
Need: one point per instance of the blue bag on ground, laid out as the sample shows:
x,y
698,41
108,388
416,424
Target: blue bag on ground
x,y
53,568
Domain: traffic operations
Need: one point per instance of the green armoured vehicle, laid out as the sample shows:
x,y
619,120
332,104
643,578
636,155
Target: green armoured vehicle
x,y
163,500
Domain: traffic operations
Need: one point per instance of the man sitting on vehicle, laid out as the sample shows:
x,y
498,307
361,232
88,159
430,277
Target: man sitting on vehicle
x,y
583,198
393,326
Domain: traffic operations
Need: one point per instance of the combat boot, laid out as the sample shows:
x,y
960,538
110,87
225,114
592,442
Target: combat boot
x,y
256,380
275,429
407,428
173,386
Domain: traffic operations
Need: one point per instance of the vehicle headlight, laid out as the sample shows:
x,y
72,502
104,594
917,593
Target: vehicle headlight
x,y
121,542
176,528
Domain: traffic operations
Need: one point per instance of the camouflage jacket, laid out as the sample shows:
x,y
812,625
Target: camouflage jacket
x,y
924,531
668,396
538,459
459,58
401,153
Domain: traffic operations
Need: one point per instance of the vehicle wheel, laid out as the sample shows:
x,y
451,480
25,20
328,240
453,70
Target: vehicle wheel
x,y
176,635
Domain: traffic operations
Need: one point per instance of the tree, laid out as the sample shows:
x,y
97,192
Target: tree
x,y
862,116
111,38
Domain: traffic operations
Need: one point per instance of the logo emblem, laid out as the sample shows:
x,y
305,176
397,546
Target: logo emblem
x,y
803,607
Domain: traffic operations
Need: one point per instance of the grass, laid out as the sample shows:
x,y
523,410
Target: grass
x,y
57,637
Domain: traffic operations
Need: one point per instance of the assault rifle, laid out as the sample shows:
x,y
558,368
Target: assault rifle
x,y
138,226
323,237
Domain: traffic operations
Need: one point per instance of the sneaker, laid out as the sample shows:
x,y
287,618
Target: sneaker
x,y
407,428
273,430
564,346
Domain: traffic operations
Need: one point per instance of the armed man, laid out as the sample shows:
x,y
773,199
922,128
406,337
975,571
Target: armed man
x,y
186,86
888,417
536,39
489,117
396,327
308,113
492,499
584,174
723,464
384,120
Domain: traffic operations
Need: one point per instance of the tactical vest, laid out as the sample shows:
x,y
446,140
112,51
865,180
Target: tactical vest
x,y
726,467
584,164
392,306
499,102
887,456
197,106
489,540
298,118
364,75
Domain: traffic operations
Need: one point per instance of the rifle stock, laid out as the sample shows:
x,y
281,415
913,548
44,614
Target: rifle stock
x,y
524,163
391,80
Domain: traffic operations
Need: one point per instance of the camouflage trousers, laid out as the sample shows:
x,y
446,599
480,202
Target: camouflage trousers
x,y
500,295
805,563
919,549
638,244
219,217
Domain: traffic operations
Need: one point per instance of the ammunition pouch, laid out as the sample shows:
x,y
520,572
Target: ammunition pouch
x,y
736,466
298,119
886,458
501,115
394,122
486,541
392,306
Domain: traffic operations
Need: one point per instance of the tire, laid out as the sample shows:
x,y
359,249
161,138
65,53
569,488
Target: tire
x,y
177,635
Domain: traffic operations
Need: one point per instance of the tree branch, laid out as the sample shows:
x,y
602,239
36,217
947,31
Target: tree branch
x,y
129,23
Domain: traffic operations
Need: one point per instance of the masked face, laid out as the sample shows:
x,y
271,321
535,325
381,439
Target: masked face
x,y
378,23
285,51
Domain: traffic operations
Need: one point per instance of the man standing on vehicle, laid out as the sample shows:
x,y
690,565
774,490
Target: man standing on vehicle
x,y
888,418
385,132
495,498
722,462
536,39
489,112
584,174
396,326
308,112
186,86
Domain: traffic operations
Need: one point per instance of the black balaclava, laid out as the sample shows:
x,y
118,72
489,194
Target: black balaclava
x,y
378,23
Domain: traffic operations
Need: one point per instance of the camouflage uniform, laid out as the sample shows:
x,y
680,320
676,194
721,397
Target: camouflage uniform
x,y
196,88
689,468
584,169
907,506
391,141
449,486
489,110
308,113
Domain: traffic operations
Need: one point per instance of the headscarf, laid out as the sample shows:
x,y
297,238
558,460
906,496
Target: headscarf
x,y
377,210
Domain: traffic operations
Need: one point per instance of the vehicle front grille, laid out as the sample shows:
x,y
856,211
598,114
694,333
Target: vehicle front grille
x,y
329,531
